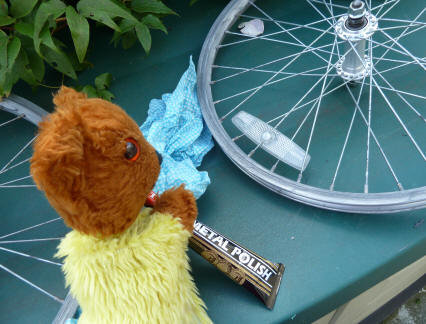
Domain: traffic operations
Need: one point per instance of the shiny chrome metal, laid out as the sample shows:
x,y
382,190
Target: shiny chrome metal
x,y
355,27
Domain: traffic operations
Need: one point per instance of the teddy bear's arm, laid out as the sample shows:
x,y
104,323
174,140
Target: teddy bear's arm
x,y
180,203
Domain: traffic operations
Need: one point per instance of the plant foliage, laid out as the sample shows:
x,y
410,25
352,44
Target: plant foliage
x,y
31,31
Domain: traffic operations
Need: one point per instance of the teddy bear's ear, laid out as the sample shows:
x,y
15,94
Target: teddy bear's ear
x,y
66,96
58,159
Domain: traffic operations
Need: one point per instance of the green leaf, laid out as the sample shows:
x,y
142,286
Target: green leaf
x,y
46,38
127,25
6,20
4,39
90,91
79,28
5,80
36,64
192,2
21,8
49,9
103,81
153,6
104,11
59,61
9,51
154,22
129,39
24,28
3,8
102,18
144,36
22,69
105,94
13,49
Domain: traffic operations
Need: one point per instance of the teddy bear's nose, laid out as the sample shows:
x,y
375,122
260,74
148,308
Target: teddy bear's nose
x,y
160,158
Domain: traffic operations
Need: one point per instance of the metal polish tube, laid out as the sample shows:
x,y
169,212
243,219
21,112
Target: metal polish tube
x,y
246,268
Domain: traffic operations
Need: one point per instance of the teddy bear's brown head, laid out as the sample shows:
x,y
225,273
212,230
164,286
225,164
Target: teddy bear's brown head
x,y
93,164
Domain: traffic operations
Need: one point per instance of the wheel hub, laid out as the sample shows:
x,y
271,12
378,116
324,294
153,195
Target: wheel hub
x,y
355,28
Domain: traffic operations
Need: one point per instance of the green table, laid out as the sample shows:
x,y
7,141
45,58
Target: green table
x,y
330,257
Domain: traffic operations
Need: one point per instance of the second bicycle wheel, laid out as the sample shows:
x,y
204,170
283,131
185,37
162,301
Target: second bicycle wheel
x,y
321,101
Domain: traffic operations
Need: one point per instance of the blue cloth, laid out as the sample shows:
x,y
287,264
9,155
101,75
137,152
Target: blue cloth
x,y
176,129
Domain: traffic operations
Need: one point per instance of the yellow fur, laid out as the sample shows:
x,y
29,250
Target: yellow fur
x,y
139,276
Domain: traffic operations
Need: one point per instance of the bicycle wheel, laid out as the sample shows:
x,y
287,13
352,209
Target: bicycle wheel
x,y
325,103
31,280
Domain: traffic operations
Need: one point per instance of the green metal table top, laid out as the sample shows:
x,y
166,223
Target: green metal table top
x,y
330,257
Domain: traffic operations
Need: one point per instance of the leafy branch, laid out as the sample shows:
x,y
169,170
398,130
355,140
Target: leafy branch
x,y
31,31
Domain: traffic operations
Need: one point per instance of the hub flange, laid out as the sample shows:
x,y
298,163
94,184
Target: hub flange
x,y
355,28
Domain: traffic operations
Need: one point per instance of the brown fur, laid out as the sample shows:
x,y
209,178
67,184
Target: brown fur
x,y
79,163
178,202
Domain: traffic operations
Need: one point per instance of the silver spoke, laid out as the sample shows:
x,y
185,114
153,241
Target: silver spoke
x,y
298,26
284,29
31,227
342,152
400,52
258,87
333,5
270,62
403,48
370,98
389,9
12,120
402,21
31,284
397,67
15,165
319,12
14,180
378,59
270,79
371,131
29,256
17,154
398,183
312,108
277,41
390,105
32,240
303,121
382,6
316,113
297,107
400,91
400,36
269,71
18,186
400,96
399,120
413,24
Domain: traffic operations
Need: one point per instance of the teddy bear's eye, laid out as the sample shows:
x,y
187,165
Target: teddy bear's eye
x,y
132,149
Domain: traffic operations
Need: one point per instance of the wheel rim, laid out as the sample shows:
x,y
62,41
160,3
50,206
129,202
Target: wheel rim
x,y
408,198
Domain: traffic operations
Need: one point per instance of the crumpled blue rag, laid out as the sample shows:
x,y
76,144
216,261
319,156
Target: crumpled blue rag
x,y
176,129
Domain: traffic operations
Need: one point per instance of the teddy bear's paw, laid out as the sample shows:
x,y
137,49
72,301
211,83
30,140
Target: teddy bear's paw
x,y
180,203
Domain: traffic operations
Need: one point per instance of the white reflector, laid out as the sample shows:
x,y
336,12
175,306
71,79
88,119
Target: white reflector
x,y
271,140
